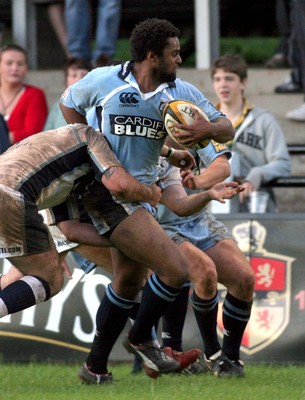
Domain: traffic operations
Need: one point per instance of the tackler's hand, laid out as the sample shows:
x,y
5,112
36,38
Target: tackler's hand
x,y
182,159
66,269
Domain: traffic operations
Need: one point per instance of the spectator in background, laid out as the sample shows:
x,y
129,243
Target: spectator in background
x,y
74,69
296,53
78,15
297,13
23,106
56,13
259,143
280,58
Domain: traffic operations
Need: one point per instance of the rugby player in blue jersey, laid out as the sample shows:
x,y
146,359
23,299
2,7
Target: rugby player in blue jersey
x,y
233,270
128,100
201,236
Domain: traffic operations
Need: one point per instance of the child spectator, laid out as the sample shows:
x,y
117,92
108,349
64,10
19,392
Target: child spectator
x,y
74,69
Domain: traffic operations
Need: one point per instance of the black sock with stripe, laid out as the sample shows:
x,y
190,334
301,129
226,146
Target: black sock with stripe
x,y
174,318
156,298
206,316
236,314
111,318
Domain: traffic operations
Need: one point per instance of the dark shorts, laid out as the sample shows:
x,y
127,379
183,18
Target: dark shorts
x,y
23,231
96,205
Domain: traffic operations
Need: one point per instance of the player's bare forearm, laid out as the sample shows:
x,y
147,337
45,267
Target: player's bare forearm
x,y
221,191
191,204
223,130
217,171
124,186
184,205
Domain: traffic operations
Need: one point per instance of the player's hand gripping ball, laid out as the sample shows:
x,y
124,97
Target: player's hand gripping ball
x,y
181,111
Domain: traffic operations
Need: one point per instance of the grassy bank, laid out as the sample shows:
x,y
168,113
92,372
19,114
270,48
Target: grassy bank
x,y
256,50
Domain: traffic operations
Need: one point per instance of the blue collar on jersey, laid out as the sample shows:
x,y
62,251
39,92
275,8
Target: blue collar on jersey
x,y
126,69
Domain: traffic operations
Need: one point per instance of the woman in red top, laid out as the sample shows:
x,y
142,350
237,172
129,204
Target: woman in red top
x,y
23,106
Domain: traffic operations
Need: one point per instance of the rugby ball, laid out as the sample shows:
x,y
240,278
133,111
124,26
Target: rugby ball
x,y
181,111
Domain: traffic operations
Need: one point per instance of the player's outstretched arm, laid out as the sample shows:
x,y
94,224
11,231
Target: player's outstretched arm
x,y
217,171
176,198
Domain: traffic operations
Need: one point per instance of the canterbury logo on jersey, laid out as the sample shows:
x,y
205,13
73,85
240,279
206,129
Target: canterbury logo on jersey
x,y
132,125
128,99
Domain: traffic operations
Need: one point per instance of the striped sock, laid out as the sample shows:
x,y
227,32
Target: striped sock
x,y
236,314
24,293
156,298
111,318
206,316
173,320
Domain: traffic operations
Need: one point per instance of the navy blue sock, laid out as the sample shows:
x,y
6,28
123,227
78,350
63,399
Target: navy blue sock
x,y
111,318
206,316
134,311
156,298
24,293
236,314
174,318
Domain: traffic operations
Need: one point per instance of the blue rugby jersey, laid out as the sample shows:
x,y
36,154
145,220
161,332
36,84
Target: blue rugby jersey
x,y
131,121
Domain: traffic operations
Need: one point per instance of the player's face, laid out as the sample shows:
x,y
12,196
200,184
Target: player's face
x,y
169,61
227,86
13,67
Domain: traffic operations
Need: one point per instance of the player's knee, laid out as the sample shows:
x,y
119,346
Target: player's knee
x,y
130,291
175,279
204,273
245,281
176,271
249,281
207,283
181,277
55,280
129,285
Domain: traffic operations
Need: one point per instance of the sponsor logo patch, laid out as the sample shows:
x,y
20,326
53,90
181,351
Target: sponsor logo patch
x,y
139,126
11,251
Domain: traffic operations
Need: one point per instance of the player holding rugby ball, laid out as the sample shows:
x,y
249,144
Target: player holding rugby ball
x,y
128,101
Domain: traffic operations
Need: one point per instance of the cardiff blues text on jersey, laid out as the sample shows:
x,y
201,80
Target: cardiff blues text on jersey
x,y
136,126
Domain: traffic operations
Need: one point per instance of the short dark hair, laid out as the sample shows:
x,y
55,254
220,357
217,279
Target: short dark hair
x,y
151,35
77,63
14,47
231,63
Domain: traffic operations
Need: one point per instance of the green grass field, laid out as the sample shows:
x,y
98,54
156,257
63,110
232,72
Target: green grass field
x,y
52,381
